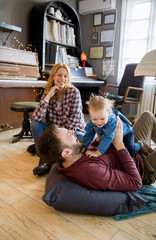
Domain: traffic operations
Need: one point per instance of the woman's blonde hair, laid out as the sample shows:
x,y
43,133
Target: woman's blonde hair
x,y
98,103
52,74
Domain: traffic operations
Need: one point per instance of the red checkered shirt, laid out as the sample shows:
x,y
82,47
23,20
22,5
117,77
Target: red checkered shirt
x,y
68,115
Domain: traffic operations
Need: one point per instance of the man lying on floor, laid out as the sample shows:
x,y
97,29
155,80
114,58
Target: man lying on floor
x,y
115,170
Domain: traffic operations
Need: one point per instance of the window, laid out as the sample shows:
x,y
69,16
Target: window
x,y
138,36
137,33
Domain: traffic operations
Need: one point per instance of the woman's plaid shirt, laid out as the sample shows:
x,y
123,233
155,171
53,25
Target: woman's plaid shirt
x,y
68,115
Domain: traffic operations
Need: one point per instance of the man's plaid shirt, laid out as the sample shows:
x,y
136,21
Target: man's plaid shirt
x,y
68,114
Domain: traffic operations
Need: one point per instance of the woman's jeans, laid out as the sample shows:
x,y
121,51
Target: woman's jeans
x,y
38,127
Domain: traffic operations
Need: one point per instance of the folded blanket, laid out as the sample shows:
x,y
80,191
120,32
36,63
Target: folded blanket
x,y
148,192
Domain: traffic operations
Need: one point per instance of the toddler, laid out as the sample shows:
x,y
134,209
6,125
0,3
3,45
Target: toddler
x,y
103,121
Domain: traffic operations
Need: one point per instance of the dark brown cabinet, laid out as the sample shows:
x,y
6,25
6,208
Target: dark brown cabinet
x,y
45,18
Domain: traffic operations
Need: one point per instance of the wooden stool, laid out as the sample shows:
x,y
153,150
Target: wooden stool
x,y
26,108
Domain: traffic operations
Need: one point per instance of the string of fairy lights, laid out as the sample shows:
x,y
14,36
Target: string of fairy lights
x,y
27,49
6,74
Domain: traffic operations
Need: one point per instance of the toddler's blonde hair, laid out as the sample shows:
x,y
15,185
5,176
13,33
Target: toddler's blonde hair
x,y
99,102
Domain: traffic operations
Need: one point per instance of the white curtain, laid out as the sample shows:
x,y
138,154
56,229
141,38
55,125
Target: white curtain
x,y
138,36
148,96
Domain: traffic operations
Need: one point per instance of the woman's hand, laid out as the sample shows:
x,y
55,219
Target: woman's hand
x,y
118,137
52,92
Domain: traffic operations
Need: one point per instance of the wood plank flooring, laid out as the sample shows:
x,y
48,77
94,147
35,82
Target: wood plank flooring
x,y
23,214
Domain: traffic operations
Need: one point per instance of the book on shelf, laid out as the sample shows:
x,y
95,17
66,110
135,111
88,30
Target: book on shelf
x,y
61,55
48,35
73,61
47,52
67,34
71,36
55,54
50,53
58,32
64,56
53,30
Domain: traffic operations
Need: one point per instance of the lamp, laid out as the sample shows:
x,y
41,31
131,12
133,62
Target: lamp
x,y
147,67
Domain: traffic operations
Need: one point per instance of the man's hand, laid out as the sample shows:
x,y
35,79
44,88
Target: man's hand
x,y
118,137
93,153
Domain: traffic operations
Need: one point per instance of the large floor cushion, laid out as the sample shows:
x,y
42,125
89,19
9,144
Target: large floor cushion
x,y
64,195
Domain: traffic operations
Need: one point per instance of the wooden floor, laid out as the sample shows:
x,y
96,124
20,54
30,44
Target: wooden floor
x,y
23,214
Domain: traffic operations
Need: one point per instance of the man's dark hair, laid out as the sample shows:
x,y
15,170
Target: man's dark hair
x,y
49,146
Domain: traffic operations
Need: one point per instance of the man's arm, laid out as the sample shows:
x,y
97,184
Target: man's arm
x,y
125,178
118,137
102,177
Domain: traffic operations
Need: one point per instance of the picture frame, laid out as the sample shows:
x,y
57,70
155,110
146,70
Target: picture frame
x,y
97,19
108,51
108,67
107,35
96,52
94,38
109,18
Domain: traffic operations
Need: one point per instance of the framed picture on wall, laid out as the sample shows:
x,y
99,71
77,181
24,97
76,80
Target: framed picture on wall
x,y
94,37
96,52
108,67
109,18
107,35
97,19
108,52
